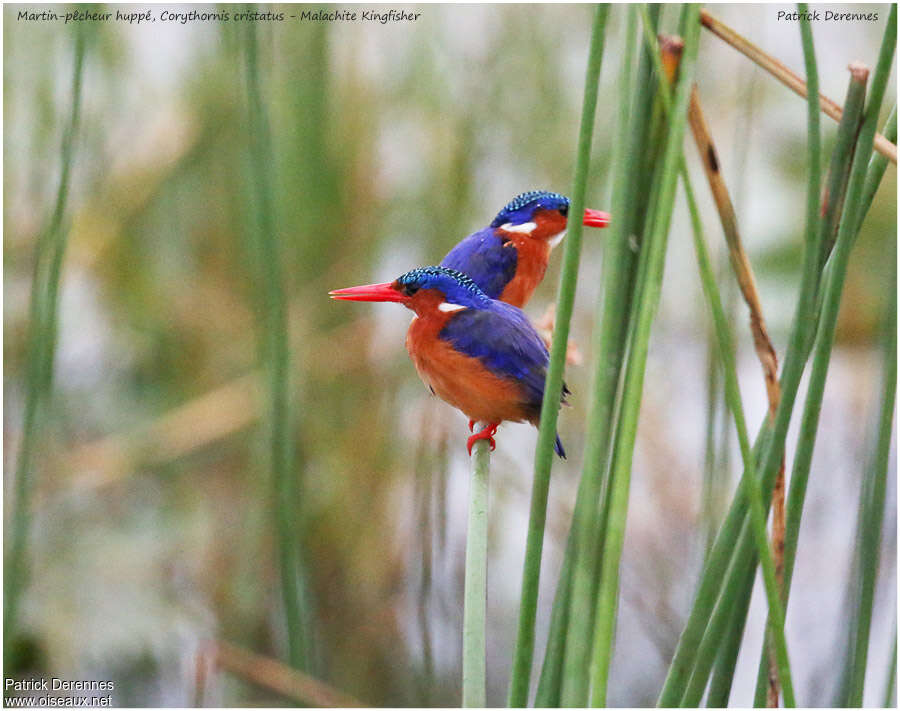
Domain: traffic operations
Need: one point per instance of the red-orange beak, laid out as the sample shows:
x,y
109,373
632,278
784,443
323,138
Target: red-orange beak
x,y
368,292
595,218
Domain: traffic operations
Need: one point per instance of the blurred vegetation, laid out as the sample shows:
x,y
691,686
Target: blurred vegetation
x,y
152,530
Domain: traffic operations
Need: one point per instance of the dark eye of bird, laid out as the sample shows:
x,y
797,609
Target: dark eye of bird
x,y
564,211
411,289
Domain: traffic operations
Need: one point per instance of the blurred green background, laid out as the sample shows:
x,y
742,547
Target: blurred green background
x,y
152,528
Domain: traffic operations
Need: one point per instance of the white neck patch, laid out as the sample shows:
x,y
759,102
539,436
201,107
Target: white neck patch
x,y
525,228
556,239
447,307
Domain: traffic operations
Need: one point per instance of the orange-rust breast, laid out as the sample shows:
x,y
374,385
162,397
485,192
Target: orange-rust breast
x,y
531,265
461,380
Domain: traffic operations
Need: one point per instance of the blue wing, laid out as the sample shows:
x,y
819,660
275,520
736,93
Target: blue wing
x,y
503,339
506,343
483,257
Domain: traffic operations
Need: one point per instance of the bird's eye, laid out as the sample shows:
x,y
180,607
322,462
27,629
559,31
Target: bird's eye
x,y
564,211
411,289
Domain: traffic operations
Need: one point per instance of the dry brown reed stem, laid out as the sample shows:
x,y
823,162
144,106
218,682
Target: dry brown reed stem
x,y
739,260
785,76
765,351
273,675
778,536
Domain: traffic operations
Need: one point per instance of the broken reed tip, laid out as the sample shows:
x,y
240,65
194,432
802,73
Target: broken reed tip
x,y
671,44
859,71
671,48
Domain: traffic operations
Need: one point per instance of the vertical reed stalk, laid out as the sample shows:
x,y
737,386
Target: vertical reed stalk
x,y
609,341
702,618
877,166
850,220
743,559
474,663
42,326
549,688
726,660
764,349
732,558
749,484
842,159
274,348
833,204
710,463
647,302
524,649
872,510
630,197
732,542
749,481
666,55
721,683
887,699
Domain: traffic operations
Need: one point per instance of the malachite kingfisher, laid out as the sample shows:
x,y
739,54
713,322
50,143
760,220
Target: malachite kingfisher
x,y
479,354
508,258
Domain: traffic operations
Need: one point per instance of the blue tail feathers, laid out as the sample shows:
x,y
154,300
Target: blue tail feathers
x,y
559,448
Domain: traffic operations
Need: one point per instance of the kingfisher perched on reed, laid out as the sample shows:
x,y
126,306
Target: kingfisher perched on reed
x,y
479,354
508,258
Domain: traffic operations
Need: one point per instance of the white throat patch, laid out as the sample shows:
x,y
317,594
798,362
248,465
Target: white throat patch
x,y
525,228
556,239
447,307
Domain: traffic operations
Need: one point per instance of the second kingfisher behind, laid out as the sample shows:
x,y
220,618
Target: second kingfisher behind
x,y
508,258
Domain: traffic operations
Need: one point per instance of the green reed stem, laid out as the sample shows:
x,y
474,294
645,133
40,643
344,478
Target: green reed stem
x,y
839,167
715,462
850,222
474,662
813,222
839,170
838,175
743,558
707,653
648,300
549,689
733,541
726,660
749,482
887,699
716,570
872,510
877,165
543,460
42,327
275,350
609,341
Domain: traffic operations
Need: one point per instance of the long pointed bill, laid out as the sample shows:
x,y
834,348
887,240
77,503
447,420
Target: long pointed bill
x,y
595,218
368,292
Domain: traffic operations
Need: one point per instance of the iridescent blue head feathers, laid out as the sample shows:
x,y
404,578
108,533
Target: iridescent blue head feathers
x,y
456,286
522,207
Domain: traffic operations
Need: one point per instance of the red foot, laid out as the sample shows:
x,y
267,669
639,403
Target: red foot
x,y
487,433
471,425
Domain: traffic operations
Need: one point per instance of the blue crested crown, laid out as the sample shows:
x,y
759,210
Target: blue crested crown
x,y
456,286
521,208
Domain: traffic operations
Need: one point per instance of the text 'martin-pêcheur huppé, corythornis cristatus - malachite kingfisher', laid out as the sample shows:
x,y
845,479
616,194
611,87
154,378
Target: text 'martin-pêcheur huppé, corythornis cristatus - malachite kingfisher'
x,y
474,351
479,354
